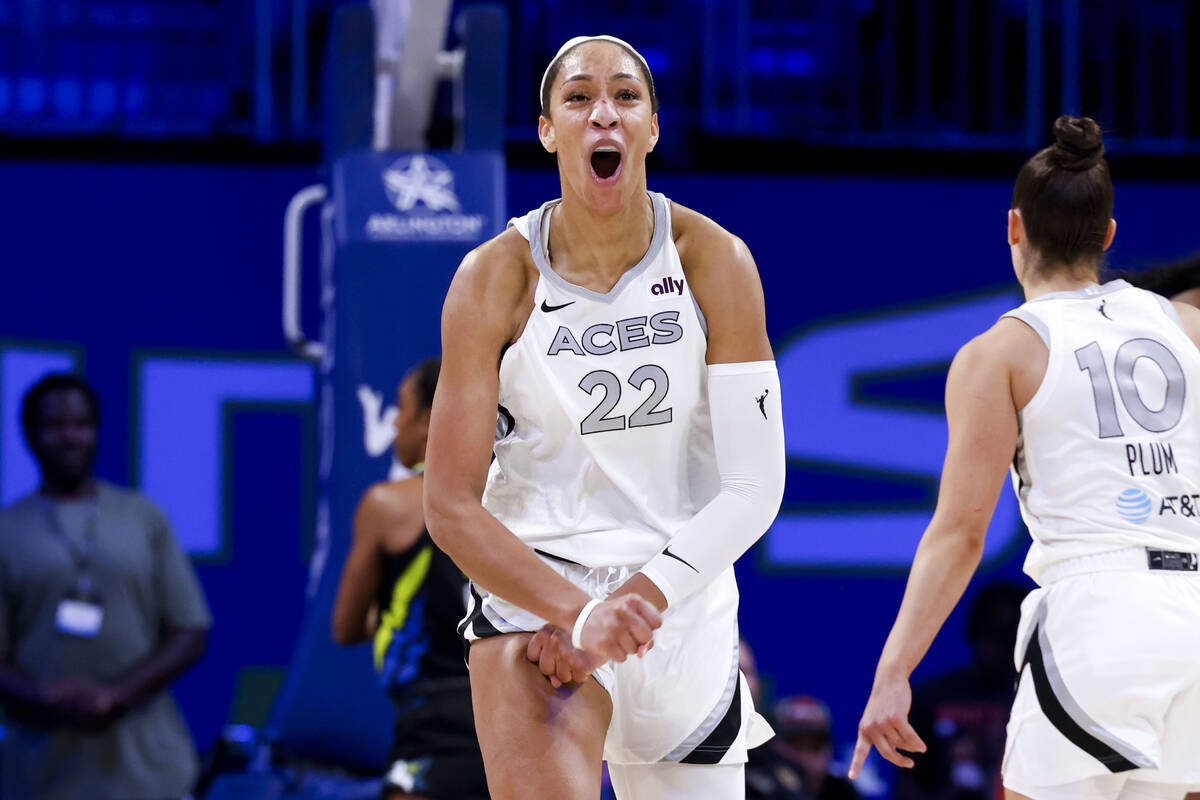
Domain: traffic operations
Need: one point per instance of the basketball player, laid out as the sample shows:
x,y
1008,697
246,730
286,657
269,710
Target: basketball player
x,y
1091,393
398,589
639,453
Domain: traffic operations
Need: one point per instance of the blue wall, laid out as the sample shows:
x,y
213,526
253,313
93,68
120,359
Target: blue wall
x,y
137,271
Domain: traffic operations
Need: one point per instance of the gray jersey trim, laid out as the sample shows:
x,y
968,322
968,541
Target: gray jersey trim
x,y
662,229
1087,292
714,717
1033,321
699,313
1071,706
1169,309
1019,463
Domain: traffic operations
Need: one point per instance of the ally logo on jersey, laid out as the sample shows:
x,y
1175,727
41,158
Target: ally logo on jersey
x,y
667,287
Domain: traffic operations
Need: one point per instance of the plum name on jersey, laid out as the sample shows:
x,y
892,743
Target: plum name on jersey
x,y
624,334
1151,458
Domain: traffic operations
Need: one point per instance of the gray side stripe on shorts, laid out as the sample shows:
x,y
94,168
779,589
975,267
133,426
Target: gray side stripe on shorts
x,y
714,717
1069,704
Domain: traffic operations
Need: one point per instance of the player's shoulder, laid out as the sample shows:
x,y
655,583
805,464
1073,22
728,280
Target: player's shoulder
x,y
387,504
717,263
701,240
499,267
492,291
1009,346
393,496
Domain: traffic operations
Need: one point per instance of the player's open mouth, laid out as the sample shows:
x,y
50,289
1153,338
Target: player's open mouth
x,y
606,164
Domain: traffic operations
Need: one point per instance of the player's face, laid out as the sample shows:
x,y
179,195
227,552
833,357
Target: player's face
x,y
601,126
411,423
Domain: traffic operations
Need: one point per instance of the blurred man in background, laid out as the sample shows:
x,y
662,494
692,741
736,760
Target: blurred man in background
x,y
100,611
796,764
804,740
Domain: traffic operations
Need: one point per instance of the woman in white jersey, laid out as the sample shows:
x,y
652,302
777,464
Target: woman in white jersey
x,y
1091,394
639,452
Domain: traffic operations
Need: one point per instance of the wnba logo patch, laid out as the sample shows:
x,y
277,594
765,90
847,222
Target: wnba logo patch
x,y
1134,506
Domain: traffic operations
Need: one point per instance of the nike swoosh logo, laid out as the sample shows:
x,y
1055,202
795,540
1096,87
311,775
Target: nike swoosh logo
x,y
667,552
547,307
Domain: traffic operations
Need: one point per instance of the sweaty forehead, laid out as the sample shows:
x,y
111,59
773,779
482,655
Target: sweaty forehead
x,y
598,59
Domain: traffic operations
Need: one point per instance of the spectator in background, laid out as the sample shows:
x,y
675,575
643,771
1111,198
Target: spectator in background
x,y
100,611
768,775
748,664
961,715
804,740
795,765
400,590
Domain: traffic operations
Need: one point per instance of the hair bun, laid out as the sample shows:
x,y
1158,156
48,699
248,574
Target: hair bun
x,y
1078,144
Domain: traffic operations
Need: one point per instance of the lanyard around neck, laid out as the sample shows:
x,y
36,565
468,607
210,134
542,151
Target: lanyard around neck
x,y
80,551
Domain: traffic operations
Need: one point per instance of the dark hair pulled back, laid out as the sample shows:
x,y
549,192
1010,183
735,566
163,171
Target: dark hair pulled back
x,y
425,378
1065,196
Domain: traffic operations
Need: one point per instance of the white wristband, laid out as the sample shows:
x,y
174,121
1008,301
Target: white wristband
x,y
577,631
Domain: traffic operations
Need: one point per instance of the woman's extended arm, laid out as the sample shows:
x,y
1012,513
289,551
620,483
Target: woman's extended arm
x,y
746,414
982,420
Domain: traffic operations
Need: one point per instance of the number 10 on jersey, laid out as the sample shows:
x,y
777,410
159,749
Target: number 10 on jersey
x,y
1091,359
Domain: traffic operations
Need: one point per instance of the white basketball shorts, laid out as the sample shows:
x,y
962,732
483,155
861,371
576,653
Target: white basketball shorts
x,y
1109,655
685,700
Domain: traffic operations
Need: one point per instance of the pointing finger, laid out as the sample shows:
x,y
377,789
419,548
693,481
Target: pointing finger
x,y
862,749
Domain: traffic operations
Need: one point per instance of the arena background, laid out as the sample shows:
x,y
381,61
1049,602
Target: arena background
x,y
865,152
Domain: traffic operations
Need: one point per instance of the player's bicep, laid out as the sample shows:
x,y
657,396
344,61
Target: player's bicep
x,y
982,438
462,423
725,281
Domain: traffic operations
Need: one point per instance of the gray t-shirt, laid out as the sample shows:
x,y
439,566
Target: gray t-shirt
x,y
147,586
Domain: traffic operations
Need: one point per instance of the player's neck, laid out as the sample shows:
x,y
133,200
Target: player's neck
x,y
1036,286
595,251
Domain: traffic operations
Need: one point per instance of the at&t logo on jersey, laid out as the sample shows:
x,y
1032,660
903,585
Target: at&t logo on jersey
x,y
1134,506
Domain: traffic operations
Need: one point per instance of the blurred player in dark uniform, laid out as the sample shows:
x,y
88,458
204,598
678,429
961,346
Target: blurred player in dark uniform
x,y
1179,281
398,588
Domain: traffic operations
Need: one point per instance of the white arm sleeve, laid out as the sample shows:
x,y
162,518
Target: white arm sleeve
x,y
747,426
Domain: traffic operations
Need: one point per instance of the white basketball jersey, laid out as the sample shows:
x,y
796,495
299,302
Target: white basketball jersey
x,y
604,447
1108,455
